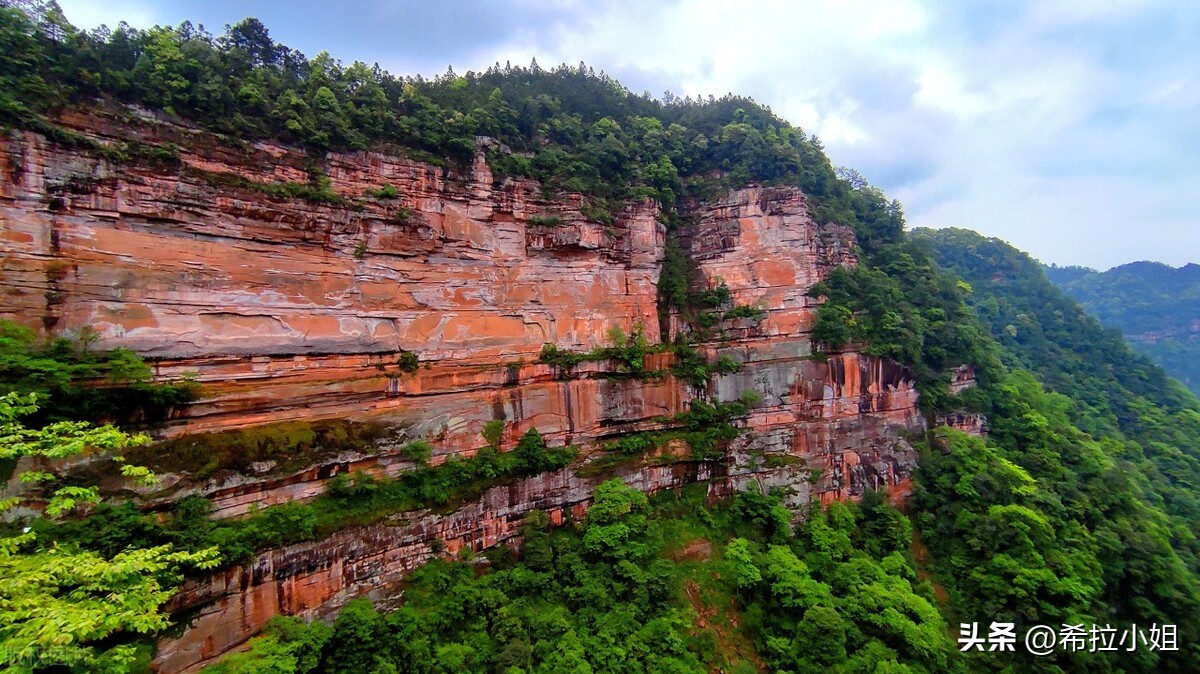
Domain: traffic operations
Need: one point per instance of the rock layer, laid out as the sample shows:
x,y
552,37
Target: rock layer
x,y
197,261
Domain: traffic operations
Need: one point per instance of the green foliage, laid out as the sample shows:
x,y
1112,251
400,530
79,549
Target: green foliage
x,y
715,297
408,361
356,486
1107,514
709,427
899,305
627,351
750,399
692,367
402,215
74,382
492,432
745,311
1038,524
286,646
616,520
53,443
1046,332
385,192
562,359
62,606
81,609
418,451
532,454
674,278
725,364
636,443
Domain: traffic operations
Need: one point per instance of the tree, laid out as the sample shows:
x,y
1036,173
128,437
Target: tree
x,y
57,602
617,515
741,562
354,642
531,452
493,432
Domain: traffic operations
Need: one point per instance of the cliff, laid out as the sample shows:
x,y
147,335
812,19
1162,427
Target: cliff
x,y
293,287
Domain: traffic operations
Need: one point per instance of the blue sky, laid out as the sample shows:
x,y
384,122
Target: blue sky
x,y
1070,129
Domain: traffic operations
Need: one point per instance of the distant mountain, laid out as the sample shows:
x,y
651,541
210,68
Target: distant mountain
x,y
1157,307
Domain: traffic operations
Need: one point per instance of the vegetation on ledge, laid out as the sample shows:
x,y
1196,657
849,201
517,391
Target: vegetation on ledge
x,y
354,499
669,584
75,382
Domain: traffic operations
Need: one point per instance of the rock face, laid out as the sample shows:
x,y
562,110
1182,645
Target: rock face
x,y
190,262
293,309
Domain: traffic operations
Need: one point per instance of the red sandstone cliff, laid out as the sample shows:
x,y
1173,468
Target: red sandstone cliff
x,y
293,310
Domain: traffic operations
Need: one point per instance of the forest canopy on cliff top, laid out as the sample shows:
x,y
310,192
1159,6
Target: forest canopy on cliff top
x,y
569,127
1080,507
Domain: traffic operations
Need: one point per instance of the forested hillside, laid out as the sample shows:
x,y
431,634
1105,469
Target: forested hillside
x,y
1079,507
1155,305
1145,425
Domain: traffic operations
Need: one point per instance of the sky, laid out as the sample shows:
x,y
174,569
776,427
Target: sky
x,y
1069,129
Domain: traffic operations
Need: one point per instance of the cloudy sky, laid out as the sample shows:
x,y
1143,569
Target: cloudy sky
x,y
1070,129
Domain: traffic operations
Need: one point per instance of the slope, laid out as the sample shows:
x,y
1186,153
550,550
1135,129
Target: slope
x,y
1156,306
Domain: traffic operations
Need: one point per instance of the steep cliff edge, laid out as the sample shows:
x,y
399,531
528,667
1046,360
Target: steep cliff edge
x,y
294,286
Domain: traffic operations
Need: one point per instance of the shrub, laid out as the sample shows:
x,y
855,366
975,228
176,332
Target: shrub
x,y
531,452
408,361
746,311
352,486
725,364
561,358
633,444
750,399
385,192
418,451
493,431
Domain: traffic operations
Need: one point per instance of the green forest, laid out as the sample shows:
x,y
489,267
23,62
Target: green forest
x,y
1081,506
1156,306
